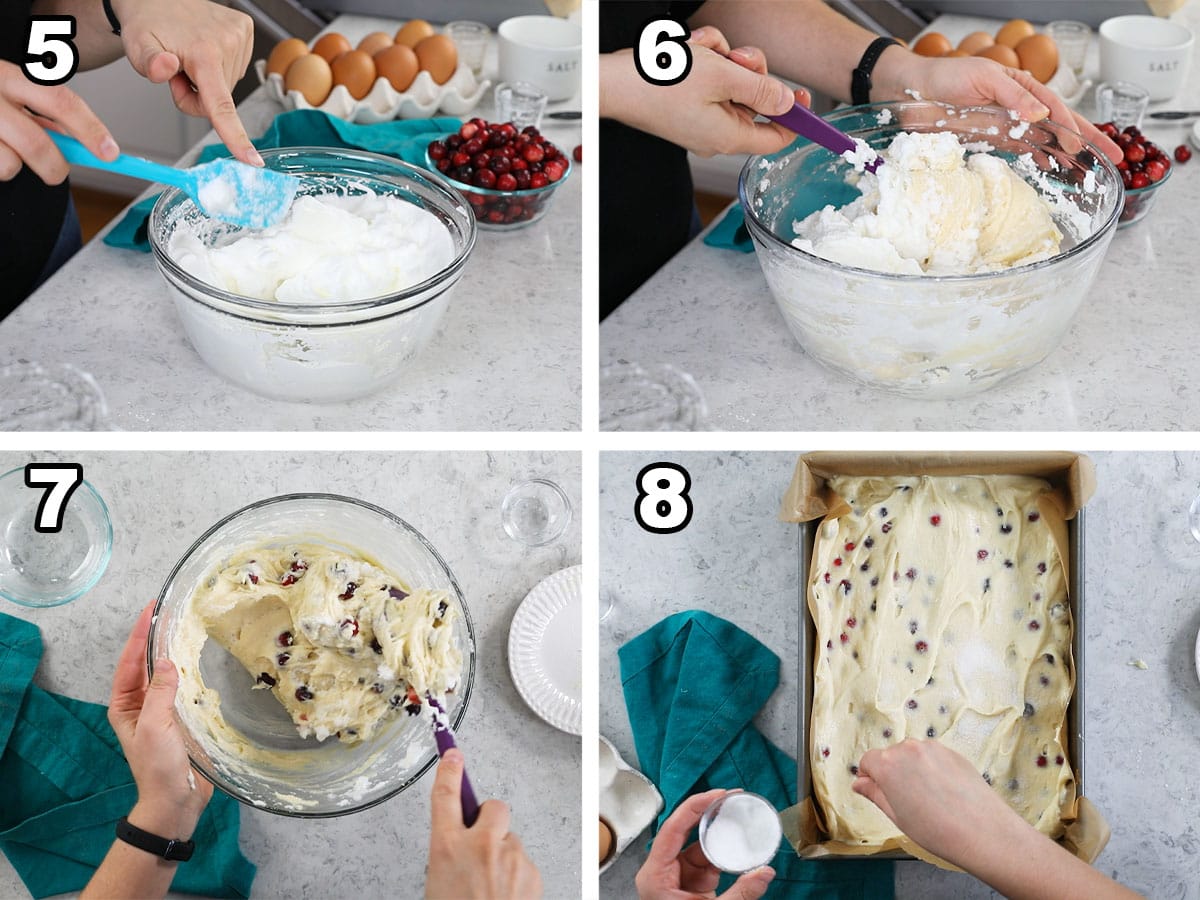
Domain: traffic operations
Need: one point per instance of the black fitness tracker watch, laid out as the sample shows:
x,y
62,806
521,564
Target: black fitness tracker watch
x,y
860,79
175,851
113,22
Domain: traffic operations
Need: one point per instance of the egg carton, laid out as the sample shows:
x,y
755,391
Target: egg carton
x,y
424,97
629,801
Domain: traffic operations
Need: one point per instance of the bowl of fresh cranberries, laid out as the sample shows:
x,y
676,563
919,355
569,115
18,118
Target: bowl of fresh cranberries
x,y
508,175
1144,169
277,591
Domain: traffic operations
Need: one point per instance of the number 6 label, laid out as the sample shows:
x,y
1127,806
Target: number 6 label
x,y
663,505
60,479
663,55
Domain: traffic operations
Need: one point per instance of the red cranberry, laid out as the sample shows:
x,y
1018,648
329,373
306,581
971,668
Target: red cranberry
x,y
922,646
485,178
500,164
303,693
825,752
351,587
454,142
282,659
480,160
523,178
437,150
351,624
935,520
851,622
1183,153
1135,153
1139,181
468,130
506,182
845,637
555,170
578,153
285,639
460,159
1034,625
837,560
1109,129
534,154
1041,761
981,555
538,180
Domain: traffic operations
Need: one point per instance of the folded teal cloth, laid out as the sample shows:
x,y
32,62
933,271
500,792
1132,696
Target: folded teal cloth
x,y
693,684
403,138
66,784
731,233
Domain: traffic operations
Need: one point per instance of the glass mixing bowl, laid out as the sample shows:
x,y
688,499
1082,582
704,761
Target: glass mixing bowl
x,y
41,569
931,336
316,352
305,777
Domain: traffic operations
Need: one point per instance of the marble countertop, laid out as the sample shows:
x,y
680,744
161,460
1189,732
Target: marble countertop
x,y
506,358
160,502
737,560
1124,364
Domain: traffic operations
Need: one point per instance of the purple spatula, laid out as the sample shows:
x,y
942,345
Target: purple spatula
x,y
807,123
445,740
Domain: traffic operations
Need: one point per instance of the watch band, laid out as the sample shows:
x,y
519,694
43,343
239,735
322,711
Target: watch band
x,y
176,851
860,79
113,22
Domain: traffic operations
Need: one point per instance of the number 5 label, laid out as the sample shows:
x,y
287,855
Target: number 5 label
x,y
663,55
60,479
663,505
51,58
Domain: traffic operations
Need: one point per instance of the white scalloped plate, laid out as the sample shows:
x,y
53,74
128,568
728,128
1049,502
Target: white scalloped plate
x,y
545,649
424,97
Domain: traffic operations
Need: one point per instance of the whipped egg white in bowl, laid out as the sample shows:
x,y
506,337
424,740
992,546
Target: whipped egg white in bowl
x,y
960,263
308,631
332,302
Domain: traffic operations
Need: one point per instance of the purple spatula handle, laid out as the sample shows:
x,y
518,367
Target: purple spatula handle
x,y
807,123
445,740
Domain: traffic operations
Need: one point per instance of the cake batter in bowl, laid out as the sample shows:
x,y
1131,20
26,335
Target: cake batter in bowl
x,y
332,303
359,746
933,333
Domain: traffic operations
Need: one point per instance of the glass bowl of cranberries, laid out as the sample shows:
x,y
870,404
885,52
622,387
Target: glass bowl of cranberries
x,y
1144,169
237,732
507,175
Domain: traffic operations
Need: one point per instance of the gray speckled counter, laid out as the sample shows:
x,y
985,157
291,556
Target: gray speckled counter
x,y
506,358
737,560
1127,362
161,502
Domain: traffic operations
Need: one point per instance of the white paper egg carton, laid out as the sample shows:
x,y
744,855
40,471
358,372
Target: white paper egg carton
x,y
629,802
424,97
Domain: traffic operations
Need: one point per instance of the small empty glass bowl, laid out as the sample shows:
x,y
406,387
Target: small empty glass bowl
x,y
535,512
305,777
40,569
740,832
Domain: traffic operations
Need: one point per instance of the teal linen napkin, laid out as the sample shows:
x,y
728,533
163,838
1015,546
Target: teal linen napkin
x,y
731,233
66,784
402,138
693,684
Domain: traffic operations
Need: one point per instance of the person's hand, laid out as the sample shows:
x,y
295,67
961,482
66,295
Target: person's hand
x,y
27,110
483,862
936,797
202,49
712,110
976,81
671,872
170,796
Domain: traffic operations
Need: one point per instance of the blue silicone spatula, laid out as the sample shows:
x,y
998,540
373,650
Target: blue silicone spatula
x,y
224,189
445,740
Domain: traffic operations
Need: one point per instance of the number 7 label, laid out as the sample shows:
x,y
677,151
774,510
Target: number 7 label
x,y
60,479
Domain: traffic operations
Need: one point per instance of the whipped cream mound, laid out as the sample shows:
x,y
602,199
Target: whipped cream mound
x,y
329,247
931,210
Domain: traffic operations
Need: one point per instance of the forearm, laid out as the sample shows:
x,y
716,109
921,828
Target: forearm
x,y
97,45
804,41
615,69
1033,867
129,872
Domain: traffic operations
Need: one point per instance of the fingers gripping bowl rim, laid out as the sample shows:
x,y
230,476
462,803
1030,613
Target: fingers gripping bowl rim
x,y
931,336
305,778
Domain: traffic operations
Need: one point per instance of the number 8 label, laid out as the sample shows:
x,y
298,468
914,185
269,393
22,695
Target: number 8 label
x,y
663,505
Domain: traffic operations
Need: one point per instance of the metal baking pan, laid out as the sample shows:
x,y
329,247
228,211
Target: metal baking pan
x,y
806,534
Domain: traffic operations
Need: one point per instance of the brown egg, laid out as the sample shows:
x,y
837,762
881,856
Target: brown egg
x,y
933,44
438,56
1002,54
374,42
356,70
606,841
398,64
975,41
1039,54
284,54
412,33
1013,32
954,53
311,76
331,46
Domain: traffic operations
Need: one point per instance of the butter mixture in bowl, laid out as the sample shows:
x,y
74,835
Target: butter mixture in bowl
x,y
308,631
960,263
